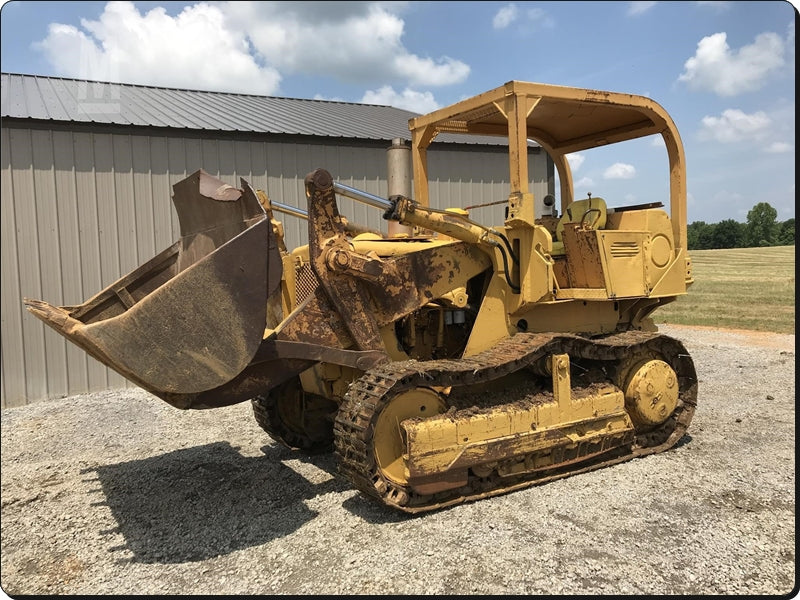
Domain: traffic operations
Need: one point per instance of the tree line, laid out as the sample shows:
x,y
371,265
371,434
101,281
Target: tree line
x,y
762,229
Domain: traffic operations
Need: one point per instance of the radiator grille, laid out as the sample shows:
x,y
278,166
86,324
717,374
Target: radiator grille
x,y
306,282
624,249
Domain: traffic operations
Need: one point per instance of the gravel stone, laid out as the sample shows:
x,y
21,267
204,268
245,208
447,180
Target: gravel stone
x,y
116,492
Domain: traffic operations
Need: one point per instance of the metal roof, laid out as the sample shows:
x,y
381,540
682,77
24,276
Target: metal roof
x,y
83,101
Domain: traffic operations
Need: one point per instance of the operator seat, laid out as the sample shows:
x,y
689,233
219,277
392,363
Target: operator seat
x,y
590,212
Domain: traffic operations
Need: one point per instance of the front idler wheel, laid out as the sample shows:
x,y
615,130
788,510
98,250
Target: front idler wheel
x,y
389,443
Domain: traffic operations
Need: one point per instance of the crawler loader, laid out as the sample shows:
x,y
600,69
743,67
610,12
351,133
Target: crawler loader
x,y
452,361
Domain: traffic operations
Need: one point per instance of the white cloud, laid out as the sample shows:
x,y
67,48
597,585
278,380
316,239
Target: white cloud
x,y
538,16
778,148
638,8
575,160
769,132
690,201
715,67
510,14
359,42
246,46
583,182
735,126
425,71
620,171
716,5
725,197
418,102
505,16
195,49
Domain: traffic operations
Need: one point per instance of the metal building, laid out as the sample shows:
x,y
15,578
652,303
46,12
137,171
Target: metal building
x,y
87,173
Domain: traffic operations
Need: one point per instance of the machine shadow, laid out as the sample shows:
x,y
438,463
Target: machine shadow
x,y
206,501
368,509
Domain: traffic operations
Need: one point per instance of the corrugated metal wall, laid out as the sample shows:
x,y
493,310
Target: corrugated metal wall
x,y
82,208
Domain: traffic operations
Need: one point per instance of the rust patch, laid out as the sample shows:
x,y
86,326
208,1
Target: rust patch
x,y
326,235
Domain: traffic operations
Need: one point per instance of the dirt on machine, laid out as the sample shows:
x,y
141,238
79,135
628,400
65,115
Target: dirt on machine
x,y
446,361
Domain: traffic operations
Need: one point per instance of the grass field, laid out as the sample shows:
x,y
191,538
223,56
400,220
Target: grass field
x,y
740,288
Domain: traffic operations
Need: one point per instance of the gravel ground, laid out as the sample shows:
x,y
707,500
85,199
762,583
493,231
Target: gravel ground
x,y
119,493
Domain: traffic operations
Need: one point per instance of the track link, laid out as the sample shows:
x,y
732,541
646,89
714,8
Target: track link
x,y
369,395
295,419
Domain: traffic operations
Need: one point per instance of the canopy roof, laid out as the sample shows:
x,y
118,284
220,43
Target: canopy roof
x,y
562,120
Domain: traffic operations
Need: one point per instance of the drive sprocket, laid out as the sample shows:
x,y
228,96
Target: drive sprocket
x,y
295,418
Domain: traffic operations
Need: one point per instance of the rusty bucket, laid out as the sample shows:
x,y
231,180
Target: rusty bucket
x,y
193,317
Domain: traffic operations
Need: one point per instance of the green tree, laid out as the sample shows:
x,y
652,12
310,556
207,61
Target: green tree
x,y
728,234
693,234
761,225
785,235
699,235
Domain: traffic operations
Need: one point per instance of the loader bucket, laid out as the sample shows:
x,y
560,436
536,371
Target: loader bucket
x,y
191,318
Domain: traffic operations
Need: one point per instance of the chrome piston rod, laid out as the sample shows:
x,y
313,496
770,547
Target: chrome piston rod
x,y
339,188
289,210
366,198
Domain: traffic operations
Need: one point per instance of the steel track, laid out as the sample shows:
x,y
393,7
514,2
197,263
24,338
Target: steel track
x,y
367,396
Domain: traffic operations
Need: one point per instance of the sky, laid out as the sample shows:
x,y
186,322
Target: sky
x,y
724,71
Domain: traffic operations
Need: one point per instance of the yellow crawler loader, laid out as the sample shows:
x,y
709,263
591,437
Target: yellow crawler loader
x,y
452,361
